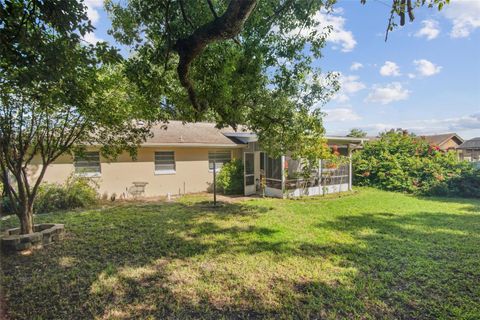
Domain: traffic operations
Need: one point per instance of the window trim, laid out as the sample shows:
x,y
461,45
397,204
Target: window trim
x,y
215,151
88,174
164,171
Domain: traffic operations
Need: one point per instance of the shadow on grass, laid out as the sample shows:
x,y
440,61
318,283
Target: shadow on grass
x,y
471,204
186,261
425,263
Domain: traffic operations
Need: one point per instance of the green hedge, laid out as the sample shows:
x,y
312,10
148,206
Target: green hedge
x,y
402,162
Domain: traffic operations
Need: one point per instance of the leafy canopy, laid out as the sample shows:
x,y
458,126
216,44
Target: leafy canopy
x,y
235,61
262,77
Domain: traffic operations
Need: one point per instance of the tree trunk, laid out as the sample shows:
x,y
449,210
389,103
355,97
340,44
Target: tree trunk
x,y
26,219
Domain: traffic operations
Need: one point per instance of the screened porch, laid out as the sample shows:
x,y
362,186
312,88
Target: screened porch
x,y
283,177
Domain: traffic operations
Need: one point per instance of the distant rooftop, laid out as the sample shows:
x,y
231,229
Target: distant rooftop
x,y
438,139
470,144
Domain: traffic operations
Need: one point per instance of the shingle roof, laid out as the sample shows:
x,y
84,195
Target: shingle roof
x,y
200,133
438,139
470,144
206,134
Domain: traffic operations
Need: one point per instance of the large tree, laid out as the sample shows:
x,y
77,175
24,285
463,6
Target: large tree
x,y
57,93
239,61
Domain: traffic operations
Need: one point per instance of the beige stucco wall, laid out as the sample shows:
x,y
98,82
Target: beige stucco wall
x,y
192,173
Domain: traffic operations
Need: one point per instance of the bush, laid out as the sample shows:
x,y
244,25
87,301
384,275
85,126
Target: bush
x,y
5,206
467,184
402,162
75,193
230,178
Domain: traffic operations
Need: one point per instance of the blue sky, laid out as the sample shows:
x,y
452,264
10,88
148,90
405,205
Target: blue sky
x,y
425,78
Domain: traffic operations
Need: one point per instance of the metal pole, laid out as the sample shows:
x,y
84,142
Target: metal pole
x,y
214,183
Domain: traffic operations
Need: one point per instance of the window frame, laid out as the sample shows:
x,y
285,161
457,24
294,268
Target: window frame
x,y
87,174
164,171
215,151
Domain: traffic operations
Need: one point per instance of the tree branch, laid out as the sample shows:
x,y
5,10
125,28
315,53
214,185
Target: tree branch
x,y
184,14
212,9
224,27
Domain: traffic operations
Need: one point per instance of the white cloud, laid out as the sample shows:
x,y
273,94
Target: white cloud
x,y
349,84
93,14
92,9
388,93
338,34
390,69
430,29
91,38
411,76
356,66
464,15
340,97
341,115
426,68
430,126
450,124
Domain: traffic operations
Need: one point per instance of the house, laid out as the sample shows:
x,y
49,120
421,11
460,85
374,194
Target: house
x,y
470,150
180,159
446,141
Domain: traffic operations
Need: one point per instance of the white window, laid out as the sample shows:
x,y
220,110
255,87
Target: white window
x,y
220,157
87,164
164,162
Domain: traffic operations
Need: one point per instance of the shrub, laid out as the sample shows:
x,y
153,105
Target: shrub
x,y
230,178
401,162
466,184
75,193
5,206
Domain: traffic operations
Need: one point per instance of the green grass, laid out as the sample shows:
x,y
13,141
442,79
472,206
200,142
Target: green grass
x,y
372,254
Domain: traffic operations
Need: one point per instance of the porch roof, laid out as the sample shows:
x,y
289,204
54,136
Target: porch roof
x,y
252,137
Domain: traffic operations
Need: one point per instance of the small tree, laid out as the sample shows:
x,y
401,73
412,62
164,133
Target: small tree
x,y
56,94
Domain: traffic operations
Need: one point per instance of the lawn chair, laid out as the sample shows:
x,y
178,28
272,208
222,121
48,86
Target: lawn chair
x,y
138,189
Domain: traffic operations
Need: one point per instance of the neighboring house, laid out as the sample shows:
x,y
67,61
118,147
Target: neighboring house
x,y
446,141
180,159
470,150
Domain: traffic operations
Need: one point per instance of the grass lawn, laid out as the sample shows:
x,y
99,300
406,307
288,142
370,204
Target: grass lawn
x,y
372,254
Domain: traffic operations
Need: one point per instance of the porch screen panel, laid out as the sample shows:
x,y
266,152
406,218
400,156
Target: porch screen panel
x,y
262,162
249,171
273,173
333,174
